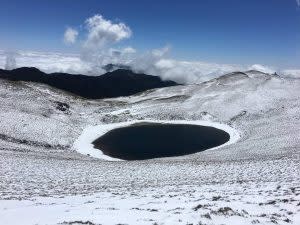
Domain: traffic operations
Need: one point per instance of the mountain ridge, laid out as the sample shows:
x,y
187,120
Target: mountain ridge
x,y
120,82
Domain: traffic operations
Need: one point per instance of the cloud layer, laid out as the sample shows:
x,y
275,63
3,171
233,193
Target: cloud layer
x,y
150,63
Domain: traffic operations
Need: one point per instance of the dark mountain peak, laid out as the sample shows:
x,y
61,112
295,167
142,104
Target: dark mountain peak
x,y
120,72
125,73
111,67
27,74
26,70
120,82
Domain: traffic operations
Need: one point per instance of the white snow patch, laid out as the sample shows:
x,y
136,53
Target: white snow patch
x,y
166,205
84,142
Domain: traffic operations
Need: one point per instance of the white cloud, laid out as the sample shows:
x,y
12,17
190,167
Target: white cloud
x,y
99,49
149,63
161,51
262,68
165,64
102,32
101,57
49,62
70,35
129,50
192,72
292,73
298,2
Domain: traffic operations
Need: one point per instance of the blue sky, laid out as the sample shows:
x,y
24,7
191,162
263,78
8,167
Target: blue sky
x,y
232,31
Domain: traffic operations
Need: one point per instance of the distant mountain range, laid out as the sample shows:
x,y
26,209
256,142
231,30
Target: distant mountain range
x,y
120,82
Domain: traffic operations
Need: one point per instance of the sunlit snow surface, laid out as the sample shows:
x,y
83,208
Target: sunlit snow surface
x,y
44,180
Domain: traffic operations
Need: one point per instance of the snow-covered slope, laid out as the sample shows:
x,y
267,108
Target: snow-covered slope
x,y
255,180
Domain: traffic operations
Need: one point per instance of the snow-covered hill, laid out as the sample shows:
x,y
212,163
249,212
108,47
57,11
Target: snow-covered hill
x,y
255,180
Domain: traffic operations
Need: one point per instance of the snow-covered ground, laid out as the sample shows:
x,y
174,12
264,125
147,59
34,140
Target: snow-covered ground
x,y
241,203
44,180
